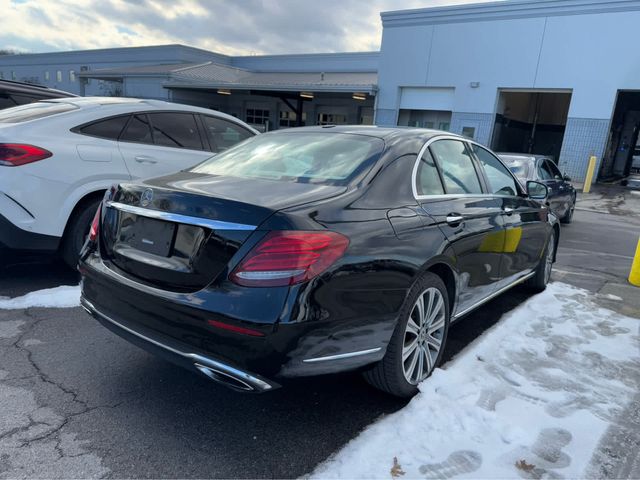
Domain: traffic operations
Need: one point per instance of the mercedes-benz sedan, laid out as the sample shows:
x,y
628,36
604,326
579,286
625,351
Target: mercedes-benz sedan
x,y
315,250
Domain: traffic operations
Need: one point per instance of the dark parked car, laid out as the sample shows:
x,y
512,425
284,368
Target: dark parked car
x,y
562,195
315,250
20,93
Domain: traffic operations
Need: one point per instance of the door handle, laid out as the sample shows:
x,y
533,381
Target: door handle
x,y
144,159
508,210
454,219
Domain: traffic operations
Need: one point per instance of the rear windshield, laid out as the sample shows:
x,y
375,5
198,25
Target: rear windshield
x,y
33,111
519,166
304,157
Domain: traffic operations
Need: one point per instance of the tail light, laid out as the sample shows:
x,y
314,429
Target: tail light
x,y
16,154
95,225
284,258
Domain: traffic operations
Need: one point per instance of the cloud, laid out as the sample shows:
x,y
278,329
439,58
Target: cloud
x,y
233,27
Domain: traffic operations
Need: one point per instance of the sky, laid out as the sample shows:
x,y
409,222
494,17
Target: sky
x,y
233,27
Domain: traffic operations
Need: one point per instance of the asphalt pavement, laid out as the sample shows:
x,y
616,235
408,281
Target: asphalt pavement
x,y
80,402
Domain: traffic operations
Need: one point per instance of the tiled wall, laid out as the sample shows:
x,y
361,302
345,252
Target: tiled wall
x,y
583,137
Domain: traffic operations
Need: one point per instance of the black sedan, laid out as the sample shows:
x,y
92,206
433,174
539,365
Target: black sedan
x,y
562,195
313,251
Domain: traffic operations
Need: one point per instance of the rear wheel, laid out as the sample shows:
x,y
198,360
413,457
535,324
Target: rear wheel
x,y
542,274
568,217
77,231
418,341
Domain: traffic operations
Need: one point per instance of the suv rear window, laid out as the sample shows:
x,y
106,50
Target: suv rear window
x,y
34,111
318,158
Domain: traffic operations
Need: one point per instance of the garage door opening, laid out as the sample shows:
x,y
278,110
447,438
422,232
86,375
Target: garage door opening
x,y
623,146
438,119
531,122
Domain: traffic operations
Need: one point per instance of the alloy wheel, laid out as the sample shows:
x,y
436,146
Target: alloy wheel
x,y
423,336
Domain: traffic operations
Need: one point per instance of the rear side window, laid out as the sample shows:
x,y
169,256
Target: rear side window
x,y
458,173
501,182
34,111
110,129
428,179
138,130
223,134
177,130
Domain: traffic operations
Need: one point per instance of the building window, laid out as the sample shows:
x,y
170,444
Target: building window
x,y
72,75
331,119
47,77
444,126
59,76
257,116
289,119
13,75
1,75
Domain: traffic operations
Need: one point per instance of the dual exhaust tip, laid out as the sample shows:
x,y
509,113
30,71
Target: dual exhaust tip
x,y
230,380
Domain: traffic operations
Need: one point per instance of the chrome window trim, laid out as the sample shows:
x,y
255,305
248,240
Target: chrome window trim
x,y
414,173
179,218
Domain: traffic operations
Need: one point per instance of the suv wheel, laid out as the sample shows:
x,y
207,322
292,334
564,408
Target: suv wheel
x,y
418,341
76,232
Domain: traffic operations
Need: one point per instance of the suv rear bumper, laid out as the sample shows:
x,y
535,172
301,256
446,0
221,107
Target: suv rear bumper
x,y
16,238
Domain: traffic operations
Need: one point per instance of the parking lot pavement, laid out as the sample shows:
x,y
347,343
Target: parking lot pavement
x,y
80,402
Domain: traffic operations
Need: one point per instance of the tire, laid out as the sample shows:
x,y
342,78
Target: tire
x,y
538,283
76,232
389,375
568,217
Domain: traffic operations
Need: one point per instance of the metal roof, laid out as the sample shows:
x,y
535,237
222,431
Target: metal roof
x,y
214,75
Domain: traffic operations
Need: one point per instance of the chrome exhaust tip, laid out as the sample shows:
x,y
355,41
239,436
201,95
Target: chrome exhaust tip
x,y
224,378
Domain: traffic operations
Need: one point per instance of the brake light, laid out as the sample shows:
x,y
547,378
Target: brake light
x,y
284,258
16,154
95,225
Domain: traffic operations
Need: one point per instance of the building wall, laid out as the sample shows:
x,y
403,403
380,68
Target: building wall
x,y
584,46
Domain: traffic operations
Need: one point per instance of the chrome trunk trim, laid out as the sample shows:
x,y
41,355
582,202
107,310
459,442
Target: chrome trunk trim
x,y
342,355
179,218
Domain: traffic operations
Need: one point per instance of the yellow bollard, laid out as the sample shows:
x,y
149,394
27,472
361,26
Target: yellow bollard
x,y
590,171
634,276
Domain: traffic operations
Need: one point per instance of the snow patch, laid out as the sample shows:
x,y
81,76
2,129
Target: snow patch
x,y
59,297
530,398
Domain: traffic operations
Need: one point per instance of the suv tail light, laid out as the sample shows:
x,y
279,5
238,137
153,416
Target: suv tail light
x,y
284,258
95,225
16,154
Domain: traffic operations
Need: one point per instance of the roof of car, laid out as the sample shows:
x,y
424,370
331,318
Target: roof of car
x,y
521,156
385,133
13,86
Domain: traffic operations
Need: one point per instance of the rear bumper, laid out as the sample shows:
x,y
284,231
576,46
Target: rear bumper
x,y
178,326
184,356
13,237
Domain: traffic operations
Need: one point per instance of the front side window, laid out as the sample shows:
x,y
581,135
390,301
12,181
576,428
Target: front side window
x,y
138,130
317,158
554,170
455,162
223,134
428,180
178,130
501,182
109,129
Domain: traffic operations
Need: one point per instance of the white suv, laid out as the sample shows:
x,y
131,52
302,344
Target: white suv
x,y
57,158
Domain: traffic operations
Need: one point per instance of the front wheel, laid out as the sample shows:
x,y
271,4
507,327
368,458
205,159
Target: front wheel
x,y
542,276
418,341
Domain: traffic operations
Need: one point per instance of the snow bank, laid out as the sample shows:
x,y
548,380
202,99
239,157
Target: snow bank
x,y
59,297
530,398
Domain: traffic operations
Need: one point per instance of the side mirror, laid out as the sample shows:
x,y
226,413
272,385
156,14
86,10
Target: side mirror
x,y
537,190
566,178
